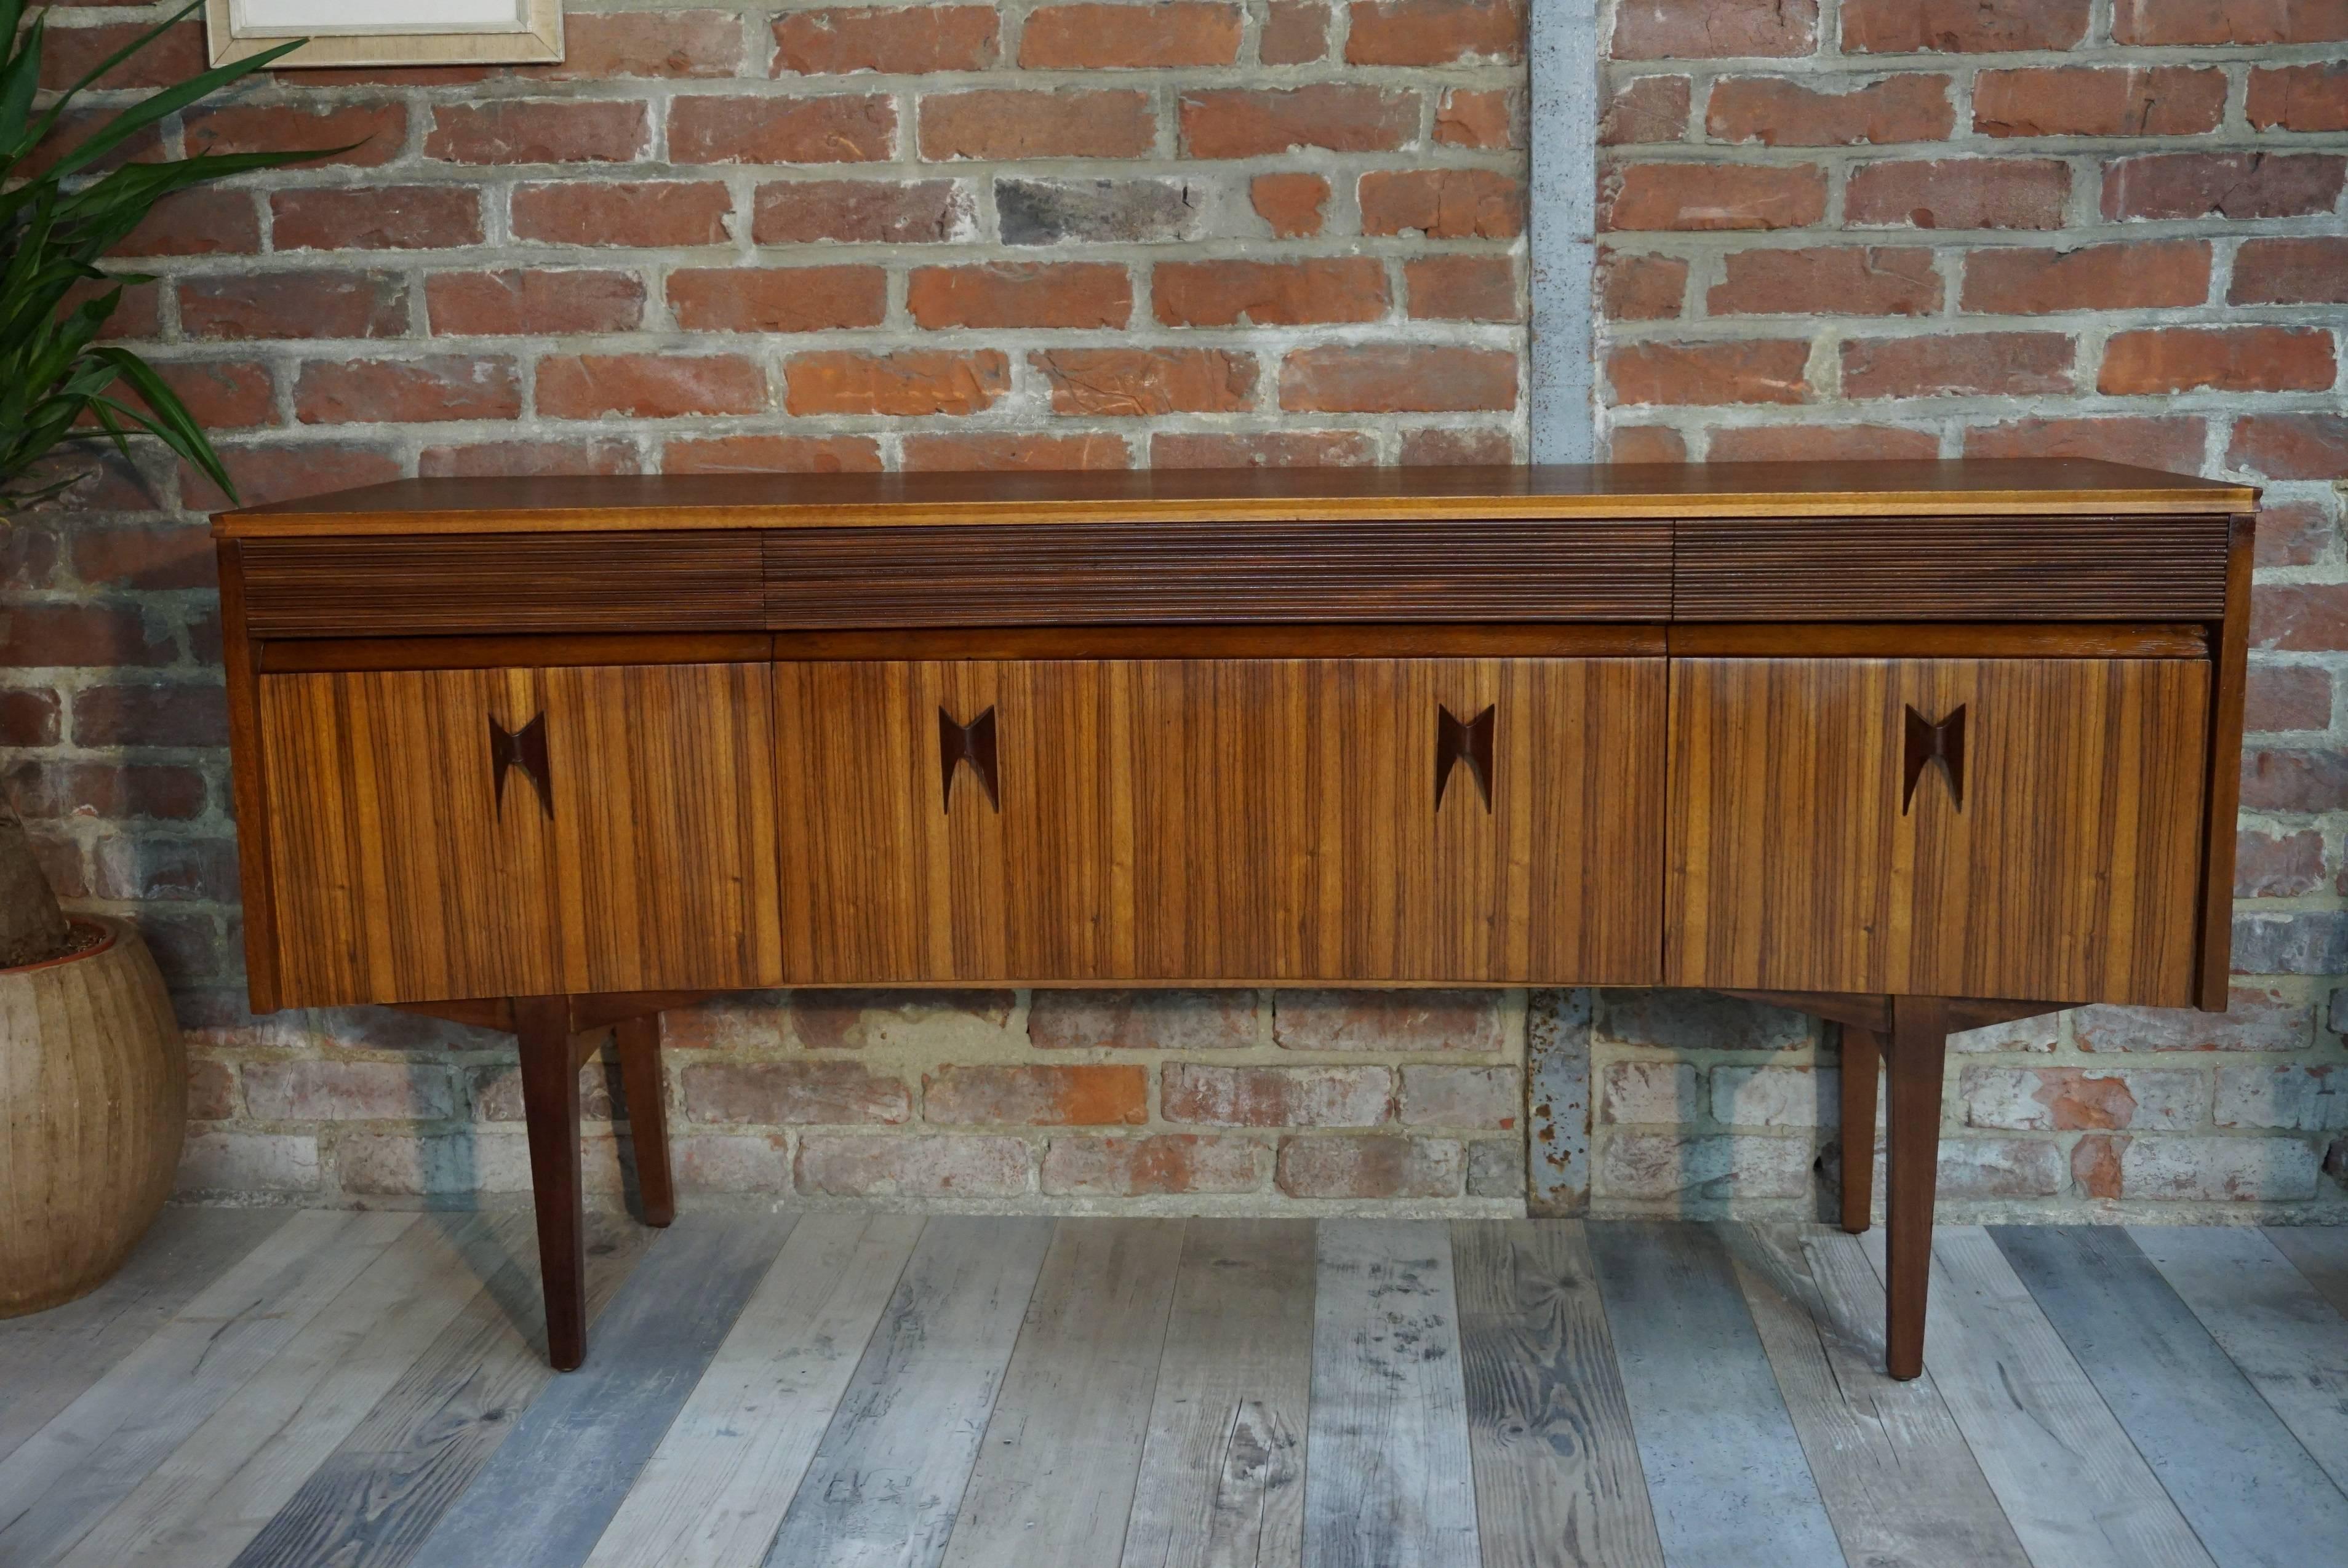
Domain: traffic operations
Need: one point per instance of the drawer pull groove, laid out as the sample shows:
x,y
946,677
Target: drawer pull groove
x,y
1929,742
1470,743
525,749
974,743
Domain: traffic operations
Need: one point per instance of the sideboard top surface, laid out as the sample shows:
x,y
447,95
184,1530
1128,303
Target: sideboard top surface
x,y
2049,487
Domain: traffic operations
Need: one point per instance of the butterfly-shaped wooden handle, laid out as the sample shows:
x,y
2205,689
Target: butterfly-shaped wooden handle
x,y
1929,742
1469,743
525,749
974,743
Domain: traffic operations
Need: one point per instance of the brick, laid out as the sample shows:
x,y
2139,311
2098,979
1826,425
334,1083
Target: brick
x,y
110,790
1775,1097
407,391
211,1090
545,130
1462,1096
1400,378
221,394
1830,280
2116,277
1778,111
2073,1099
1112,211
389,217
2228,21
1633,288
2220,1169
902,40
863,212
773,455
2235,185
1484,118
2294,781
1443,203
1295,32
1961,27
165,868
375,132
1462,288
1957,364
907,382
1447,448
757,1021
2255,1020
1268,449
1142,1019
2291,273
1668,1165
1007,123
2312,97
1960,193
730,1163
2291,446
1340,117
1014,451
1269,294
197,222
920,1020
288,473
893,1165
839,129
348,1091
1664,1093
635,212
2288,697
247,1162
1382,1167
1999,1168
2295,534
778,1094
2277,865
1714,29
29,717
777,298
1645,109
533,302
1818,444
2311,943
1020,294
1412,1021
655,44
1162,1163
1084,1096
1761,371
70,54
1135,383
1170,33
1277,1096
1496,1168
648,385
2236,358
1698,1020
1293,204
1432,32
2172,442
2289,1099
515,459
1705,197
2089,100
497,1095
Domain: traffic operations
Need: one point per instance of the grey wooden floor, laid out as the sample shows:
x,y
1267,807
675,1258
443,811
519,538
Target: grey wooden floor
x,y
361,1391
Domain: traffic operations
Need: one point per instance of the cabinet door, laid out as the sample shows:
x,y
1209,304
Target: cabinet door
x,y
484,833
2005,827
1230,820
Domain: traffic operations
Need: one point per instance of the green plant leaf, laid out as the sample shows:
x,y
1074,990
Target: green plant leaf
x,y
170,100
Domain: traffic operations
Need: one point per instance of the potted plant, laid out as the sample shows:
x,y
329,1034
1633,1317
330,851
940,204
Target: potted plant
x,y
93,1076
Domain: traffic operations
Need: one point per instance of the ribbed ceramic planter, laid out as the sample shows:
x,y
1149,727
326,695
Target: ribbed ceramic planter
x,y
93,1107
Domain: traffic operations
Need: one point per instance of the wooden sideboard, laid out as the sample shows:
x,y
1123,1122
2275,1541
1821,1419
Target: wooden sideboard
x,y
1912,746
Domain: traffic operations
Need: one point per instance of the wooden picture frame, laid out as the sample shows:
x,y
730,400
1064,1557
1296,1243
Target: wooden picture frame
x,y
439,33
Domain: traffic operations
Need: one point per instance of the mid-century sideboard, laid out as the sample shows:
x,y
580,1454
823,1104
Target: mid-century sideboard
x,y
1912,746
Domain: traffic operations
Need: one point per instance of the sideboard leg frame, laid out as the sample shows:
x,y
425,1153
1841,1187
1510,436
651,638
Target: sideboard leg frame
x,y
1918,1053
637,1040
549,1099
1863,1058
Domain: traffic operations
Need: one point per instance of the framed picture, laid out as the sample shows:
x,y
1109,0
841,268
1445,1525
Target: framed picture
x,y
389,32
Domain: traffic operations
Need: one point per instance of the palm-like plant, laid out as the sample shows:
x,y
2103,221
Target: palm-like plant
x,y
55,226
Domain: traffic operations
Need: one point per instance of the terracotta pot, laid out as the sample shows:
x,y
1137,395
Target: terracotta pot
x,y
93,1107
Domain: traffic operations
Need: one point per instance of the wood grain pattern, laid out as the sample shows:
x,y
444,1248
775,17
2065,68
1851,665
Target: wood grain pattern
x,y
2321,1256
397,879
1498,640
2069,873
2214,957
1879,567
1915,1066
1938,639
1244,819
1557,1480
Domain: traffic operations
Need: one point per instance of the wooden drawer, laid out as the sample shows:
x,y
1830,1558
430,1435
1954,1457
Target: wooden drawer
x,y
485,833
2008,827
1231,820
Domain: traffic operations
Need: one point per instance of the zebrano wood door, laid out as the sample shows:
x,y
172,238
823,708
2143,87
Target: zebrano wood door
x,y
1999,828
486,833
1222,820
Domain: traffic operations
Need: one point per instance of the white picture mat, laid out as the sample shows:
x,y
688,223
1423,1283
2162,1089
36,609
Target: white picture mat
x,y
323,18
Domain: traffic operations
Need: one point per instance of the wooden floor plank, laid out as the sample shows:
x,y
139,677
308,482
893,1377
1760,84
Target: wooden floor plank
x,y
201,1506
1899,1481
2272,1324
47,1360
1391,1481
887,1480
1055,1479
713,1491
1557,1480
71,1473
2253,1494
1725,1469
372,1501
2075,1489
1223,1468
551,1488
2321,1253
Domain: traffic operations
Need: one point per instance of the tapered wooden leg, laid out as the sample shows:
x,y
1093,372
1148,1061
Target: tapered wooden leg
x,y
638,1042
1863,1058
550,1104
1918,1050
